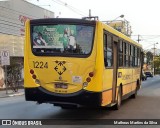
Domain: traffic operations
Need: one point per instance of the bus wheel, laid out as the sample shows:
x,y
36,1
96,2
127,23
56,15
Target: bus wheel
x,y
135,94
119,100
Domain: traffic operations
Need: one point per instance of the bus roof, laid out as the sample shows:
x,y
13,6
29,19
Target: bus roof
x,y
118,34
62,20
83,21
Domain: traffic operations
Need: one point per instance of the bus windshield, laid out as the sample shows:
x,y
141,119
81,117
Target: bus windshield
x,y
62,39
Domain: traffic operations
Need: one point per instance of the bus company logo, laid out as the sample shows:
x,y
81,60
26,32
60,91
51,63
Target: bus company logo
x,y
60,68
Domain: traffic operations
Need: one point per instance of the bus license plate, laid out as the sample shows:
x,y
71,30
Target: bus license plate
x,y
61,85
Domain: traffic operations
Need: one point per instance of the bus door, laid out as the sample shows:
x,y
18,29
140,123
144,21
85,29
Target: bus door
x,y
115,68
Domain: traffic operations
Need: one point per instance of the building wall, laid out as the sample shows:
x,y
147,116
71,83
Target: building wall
x,y
13,14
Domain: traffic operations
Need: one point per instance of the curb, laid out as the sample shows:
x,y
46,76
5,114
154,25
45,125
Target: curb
x,y
17,94
12,95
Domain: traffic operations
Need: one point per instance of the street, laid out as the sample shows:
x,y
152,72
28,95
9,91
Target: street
x,y
145,106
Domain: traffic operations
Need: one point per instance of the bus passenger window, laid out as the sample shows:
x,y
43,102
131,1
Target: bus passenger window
x,y
120,54
105,50
109,59
138,57
108,51
131,55
126,58
136,62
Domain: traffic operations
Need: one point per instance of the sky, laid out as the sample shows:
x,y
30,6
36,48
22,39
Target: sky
x,y
143,15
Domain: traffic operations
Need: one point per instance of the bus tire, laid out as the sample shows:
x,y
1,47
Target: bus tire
x,y
119,100
133,96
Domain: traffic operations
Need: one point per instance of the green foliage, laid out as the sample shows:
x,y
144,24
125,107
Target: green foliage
x,y
157,62
149,57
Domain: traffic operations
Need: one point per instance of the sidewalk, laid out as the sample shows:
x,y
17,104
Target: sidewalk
x,y
10,93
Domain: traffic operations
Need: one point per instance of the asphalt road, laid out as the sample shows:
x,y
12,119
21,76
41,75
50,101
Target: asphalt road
x,y
145,106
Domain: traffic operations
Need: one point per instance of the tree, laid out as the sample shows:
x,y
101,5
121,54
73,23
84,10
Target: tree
x,y
157,64
149,56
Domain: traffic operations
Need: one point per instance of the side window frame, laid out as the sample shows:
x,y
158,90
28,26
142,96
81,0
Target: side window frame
x,y
131,55
108,51
121,54
126,54
105,49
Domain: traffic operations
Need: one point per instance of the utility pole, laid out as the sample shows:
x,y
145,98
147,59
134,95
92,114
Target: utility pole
x,y
154,54
139,38
153,57
89,12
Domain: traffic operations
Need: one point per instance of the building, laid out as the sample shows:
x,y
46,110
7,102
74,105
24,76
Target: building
x,y
13,14
122,26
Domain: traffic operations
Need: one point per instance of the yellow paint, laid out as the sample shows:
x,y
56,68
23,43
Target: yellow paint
x,y
80,68
106,97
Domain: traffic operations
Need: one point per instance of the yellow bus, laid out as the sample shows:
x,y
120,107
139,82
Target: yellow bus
x,y
78,62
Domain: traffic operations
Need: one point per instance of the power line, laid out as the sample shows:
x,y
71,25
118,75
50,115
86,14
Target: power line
x,y
150,38
75,10
149,45
144,37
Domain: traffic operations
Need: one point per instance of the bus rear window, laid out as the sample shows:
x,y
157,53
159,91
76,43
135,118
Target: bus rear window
x,y
62,39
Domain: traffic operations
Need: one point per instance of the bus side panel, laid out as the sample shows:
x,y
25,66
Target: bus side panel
x,y
106,97
105,75
107,86
128,79
125,79
136,77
